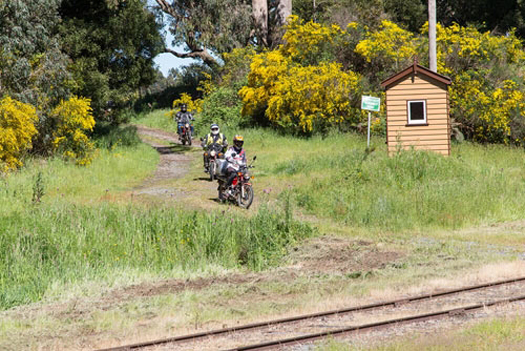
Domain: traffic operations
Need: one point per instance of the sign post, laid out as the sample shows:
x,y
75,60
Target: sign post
x,y
370,103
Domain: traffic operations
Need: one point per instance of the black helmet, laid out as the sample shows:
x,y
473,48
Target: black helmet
x,y
183,107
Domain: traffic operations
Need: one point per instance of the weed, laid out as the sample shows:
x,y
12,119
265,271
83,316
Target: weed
x,y
38,189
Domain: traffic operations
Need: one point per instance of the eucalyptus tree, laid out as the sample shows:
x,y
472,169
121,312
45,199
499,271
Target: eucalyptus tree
x,y
204,29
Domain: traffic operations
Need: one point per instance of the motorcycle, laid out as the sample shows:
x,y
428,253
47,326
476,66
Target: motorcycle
x,y
213,152
185,136
242,193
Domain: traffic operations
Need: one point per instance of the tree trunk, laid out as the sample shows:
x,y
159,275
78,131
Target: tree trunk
x,y
260,17
284,9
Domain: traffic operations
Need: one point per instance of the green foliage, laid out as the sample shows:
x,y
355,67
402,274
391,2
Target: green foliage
x,y
411,14
484,15
198,26
222,106
32,67
109,67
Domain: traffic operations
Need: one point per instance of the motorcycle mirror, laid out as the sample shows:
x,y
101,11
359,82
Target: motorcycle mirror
x,y
254,157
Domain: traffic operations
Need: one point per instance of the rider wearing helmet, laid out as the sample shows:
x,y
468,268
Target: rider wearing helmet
x,y
183,117
213,137
235,157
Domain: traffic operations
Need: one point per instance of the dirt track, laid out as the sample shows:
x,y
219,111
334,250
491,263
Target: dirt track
x,y
175,161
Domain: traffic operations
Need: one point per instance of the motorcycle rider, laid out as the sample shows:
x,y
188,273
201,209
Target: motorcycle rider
x,y
183,117
235,156
213,137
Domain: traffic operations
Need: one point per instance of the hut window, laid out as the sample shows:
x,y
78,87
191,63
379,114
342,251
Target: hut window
x,y
417,112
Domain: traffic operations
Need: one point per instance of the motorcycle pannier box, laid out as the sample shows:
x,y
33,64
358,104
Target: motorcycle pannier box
x,y
221,167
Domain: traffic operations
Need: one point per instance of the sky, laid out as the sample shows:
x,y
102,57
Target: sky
x,y
166,61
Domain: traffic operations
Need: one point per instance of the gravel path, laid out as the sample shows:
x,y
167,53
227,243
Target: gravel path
x,y
174,162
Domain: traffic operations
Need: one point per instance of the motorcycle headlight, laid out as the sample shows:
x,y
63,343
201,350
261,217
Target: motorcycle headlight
x,y
212,153
187,125
246,176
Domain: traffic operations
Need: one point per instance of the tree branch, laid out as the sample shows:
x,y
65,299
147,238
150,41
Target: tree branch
x,y
168,9
194,54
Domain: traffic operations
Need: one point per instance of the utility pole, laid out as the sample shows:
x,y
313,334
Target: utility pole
x,y
432,56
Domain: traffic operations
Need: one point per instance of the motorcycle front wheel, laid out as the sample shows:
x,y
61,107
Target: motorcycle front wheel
x,y
245,198
211,169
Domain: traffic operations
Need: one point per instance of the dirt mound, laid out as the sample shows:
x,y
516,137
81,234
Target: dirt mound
x,y
340,256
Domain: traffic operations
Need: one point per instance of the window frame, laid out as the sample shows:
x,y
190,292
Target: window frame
x,y
417,122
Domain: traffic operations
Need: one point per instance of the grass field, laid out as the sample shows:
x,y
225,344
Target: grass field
x,y
69,232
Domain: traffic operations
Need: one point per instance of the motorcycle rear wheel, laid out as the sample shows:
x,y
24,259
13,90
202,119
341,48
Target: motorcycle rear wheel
x,y
246,200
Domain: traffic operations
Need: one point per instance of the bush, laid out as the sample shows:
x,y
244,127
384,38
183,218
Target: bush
x,y
222,106
297,87
17,128
73,118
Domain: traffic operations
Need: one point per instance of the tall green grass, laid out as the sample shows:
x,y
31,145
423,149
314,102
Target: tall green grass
x,y
49,245
117,166
334,177
157,119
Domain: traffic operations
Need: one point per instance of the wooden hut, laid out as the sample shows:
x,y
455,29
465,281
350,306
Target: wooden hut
x,y
417,110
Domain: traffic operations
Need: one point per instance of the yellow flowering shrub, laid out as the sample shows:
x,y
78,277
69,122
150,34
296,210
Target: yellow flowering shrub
x,y
497,115
73,118
391,46
298,86
192,105
236,65
17,128
299,98
309,42
484,97
460,48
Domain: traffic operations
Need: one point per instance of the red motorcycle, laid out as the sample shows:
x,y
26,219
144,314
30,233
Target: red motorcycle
x,y
185,135
242,193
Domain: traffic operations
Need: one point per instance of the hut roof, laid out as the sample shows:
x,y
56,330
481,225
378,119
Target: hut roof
x,y
416,69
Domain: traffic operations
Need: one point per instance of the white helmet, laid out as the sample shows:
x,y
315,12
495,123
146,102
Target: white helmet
x,y
214,129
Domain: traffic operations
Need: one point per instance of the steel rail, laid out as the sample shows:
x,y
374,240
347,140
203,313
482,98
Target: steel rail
x,y
303,339
397,302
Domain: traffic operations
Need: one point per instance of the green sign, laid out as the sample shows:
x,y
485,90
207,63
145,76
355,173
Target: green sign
x,y
370,103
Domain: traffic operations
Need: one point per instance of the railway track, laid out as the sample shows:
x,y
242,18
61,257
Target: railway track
x,y
510,287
